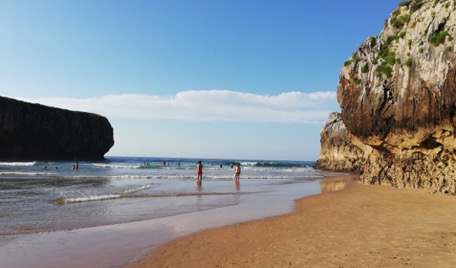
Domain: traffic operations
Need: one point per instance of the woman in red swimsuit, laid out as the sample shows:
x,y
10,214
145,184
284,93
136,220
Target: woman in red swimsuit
x,y
199,171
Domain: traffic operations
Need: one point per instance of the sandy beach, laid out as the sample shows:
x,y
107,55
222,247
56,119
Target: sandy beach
x,y
359,226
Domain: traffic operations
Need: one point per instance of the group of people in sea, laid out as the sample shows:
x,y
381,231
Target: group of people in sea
x,y
163,164
73,167
199,172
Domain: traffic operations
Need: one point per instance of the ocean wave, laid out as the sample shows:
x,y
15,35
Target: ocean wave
x,y
126,166
87,198
17,163
21,173
115,166
274,164
97,177
132,176
152,167
129,191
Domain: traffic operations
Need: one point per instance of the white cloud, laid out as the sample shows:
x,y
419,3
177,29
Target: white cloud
x,y
206,105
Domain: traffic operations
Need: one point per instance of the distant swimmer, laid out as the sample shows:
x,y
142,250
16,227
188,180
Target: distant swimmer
x,y
199,171
237,173
146,164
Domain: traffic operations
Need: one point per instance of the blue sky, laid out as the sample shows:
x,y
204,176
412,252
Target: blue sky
x,y
189,78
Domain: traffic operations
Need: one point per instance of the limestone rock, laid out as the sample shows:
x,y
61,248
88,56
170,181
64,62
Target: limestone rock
x,y
338,153
398,98
36,132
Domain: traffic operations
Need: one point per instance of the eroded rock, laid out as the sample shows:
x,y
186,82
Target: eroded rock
x,y
397,94
338,153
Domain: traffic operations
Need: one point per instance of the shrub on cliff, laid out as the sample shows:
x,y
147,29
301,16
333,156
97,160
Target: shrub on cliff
x,y
438,38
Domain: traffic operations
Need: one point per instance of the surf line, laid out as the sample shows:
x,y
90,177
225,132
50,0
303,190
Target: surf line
x,y
64,201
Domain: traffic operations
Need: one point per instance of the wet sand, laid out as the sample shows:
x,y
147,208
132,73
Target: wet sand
x,y
360,226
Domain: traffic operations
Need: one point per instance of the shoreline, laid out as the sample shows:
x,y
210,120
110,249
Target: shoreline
x,y
361,226
121,244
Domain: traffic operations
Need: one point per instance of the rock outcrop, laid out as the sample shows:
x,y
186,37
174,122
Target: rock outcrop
x,y
338,151
397,94
36,132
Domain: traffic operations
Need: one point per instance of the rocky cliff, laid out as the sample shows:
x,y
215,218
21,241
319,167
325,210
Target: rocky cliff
x,y
397,94
338,151
36,132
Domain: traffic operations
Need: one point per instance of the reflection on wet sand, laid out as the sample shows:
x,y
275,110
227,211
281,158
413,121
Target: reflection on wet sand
x,y
199,185
333,185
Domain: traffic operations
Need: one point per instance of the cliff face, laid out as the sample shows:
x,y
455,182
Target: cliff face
x,y
398,98
36,132
338,151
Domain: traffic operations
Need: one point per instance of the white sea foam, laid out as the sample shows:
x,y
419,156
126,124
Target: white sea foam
x,y
118,166
133,177
129,191
17,163
20,173
91,198
249,163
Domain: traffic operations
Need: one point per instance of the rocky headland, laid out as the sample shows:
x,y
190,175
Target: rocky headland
x,y
397,95
36,132
338,153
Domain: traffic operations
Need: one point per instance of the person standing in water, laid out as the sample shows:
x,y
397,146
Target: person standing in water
x,y
237,173
199,171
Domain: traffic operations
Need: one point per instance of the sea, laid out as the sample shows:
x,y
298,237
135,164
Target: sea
x,y
47,196
41,200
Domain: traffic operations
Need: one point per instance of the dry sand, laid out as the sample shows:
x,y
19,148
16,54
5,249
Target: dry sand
x,y
360,226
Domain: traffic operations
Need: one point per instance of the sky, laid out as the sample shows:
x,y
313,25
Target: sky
x,y
231,79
